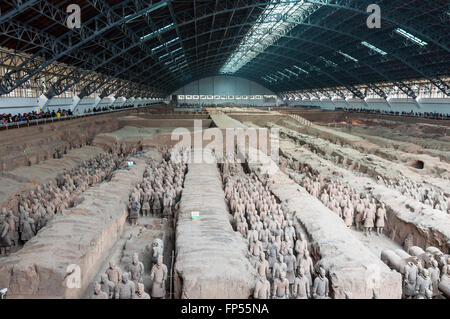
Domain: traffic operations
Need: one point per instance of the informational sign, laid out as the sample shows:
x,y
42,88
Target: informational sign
x,y
195,215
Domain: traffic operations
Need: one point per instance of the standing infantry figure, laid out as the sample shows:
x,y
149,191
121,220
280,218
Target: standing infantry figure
x,y
381,216
125,289
262,266
156,209
262,288
301,285
281,287
107,286
369,217
435,275
13,222
410,280
5,238
27,228
134,211
290,262
159,277
320,288
114,273
145,205
136,269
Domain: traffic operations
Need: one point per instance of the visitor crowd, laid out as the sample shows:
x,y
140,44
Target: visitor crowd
x,y
429,115
27,117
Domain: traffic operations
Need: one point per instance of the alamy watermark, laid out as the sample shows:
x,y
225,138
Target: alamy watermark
x,y
72,279
374,19
74,18
230,145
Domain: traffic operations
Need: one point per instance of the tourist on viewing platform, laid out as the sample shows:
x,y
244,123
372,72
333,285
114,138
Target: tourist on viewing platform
x,y
20,118
428,115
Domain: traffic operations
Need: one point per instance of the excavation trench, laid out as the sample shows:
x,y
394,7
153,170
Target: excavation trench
x,y
211,258
63,258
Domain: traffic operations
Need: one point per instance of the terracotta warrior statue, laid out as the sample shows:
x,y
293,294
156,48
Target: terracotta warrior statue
x,y
98,293
13,222
281,287
125,289
291,264
410,279
146,205
5,239
369,218
279,267
435,276
320,288
424,286
114,273
134,208
136,269
156,249
107,286
301,289
140,293
381,217
27,228
262,288
156,208
159,276
262,266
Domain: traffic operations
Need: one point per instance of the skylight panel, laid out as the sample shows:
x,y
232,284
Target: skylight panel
x,y
163,56
164,44
130,17
328,62
157,48
266,31
179,57
374,48
283,74
172,41
289,71
300,69
411,37
348,56
176,50
145,37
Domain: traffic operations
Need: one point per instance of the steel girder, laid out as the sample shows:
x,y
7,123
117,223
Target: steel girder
x,y
19,6
392,15
348,5
103,7
394,50
119,49
353,36
352,89
54,48
438,82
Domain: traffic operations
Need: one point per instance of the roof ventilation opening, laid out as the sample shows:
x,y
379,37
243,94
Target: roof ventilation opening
x,y
416,164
